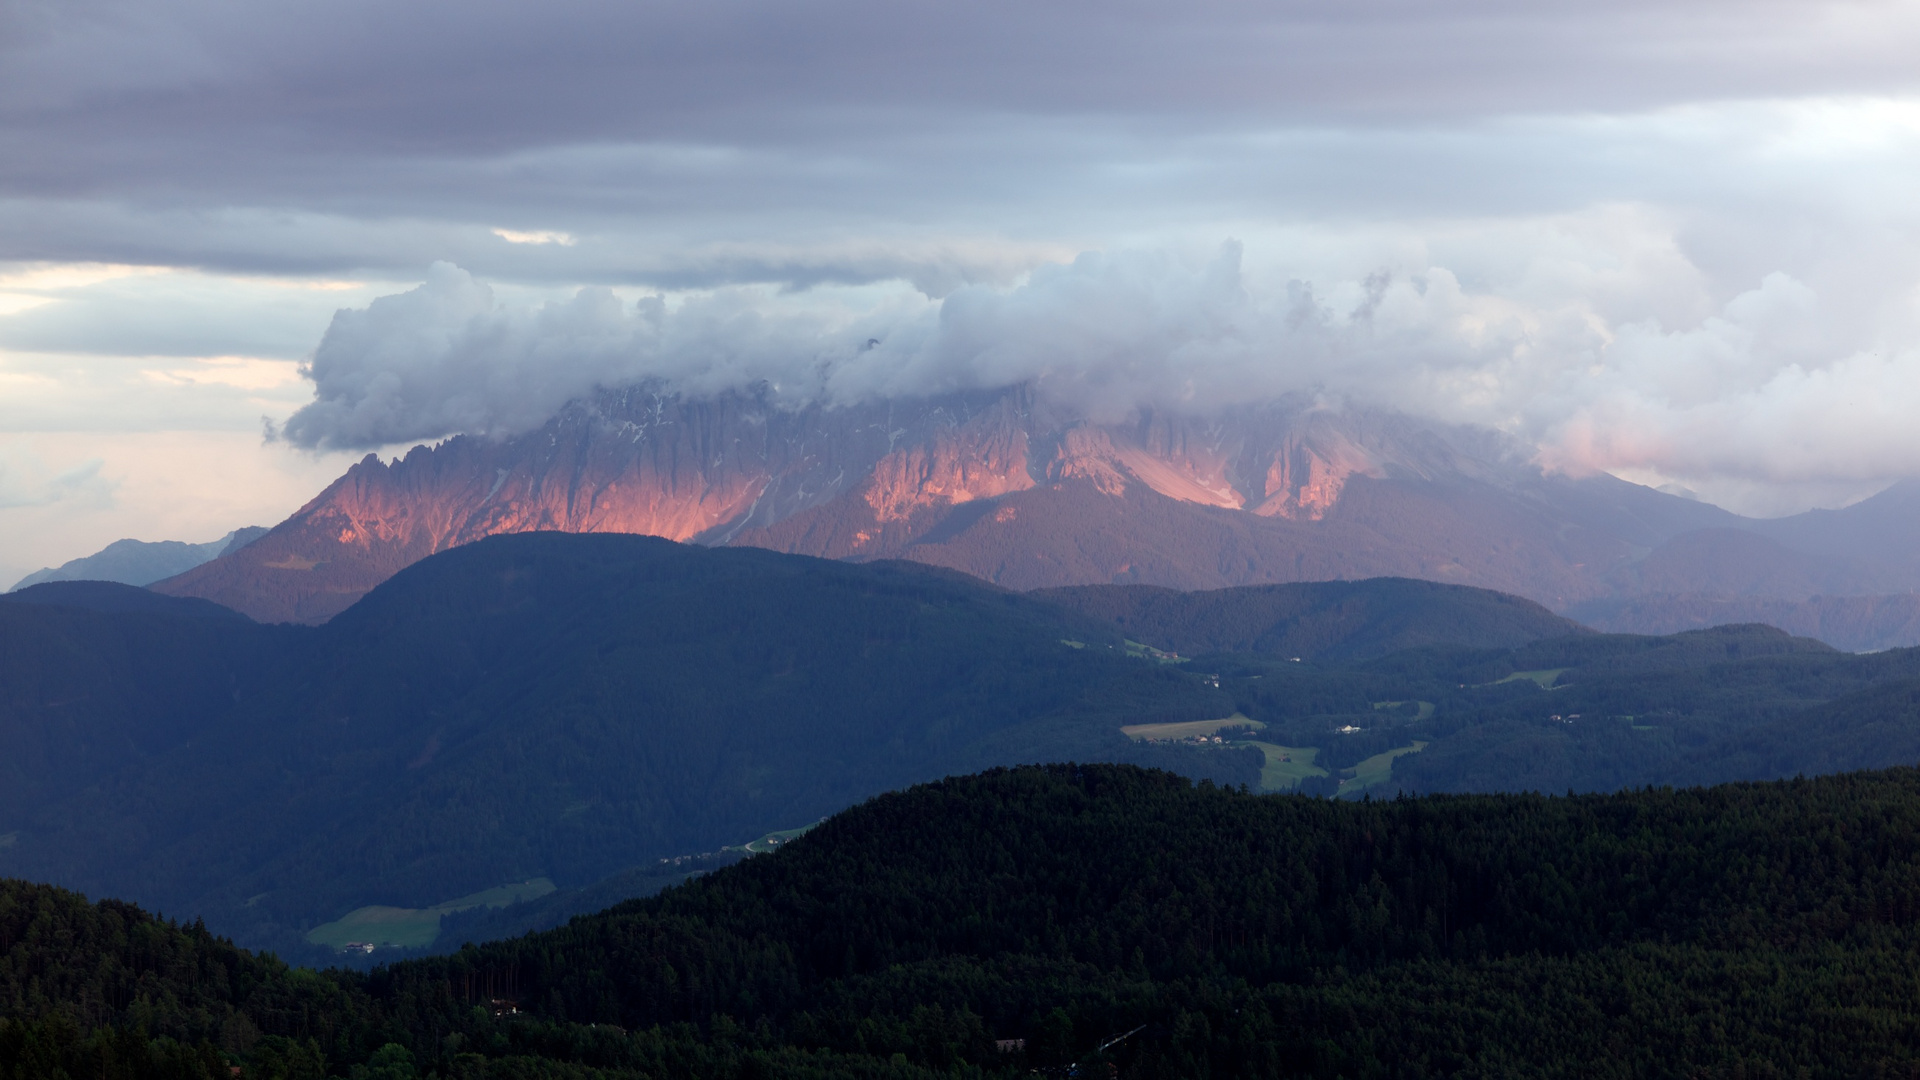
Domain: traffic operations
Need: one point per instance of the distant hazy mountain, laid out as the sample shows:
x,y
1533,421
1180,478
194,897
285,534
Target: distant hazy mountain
x,y
142,562
1854,623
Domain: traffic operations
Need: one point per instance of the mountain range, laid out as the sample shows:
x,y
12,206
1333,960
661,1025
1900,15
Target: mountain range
x,y
141,562
1014,489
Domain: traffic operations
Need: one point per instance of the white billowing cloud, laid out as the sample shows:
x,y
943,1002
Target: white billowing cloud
x,y
1608,354
450,357
1105,333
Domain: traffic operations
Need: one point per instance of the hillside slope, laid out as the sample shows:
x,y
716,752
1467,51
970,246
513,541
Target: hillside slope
x,y
1333,620
1106,921
97,677
546,705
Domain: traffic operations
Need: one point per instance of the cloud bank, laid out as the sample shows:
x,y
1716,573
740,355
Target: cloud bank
x,y
1615,363
689,144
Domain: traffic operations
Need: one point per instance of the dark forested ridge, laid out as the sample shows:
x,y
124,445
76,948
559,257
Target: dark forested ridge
x,y
544,705
1762,929
578,707
1321,620
1594,712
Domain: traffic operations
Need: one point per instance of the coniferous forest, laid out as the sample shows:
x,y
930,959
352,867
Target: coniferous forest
x,y
1021,920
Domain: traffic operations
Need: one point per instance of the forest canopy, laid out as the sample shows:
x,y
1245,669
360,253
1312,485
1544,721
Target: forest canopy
x,y
1020,919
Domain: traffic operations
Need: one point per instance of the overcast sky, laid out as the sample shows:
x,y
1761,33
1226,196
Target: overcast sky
x,y
1674,240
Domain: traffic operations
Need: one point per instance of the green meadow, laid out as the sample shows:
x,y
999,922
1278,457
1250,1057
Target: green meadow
x,y
1189,729
1286,765
416,928
772,840
1374,771
1543,678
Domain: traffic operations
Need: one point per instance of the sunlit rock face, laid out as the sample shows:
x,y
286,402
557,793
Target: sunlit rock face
x,y
1000,484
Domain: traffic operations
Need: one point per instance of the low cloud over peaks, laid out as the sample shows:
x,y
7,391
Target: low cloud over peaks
x,y
1103,334
1773,385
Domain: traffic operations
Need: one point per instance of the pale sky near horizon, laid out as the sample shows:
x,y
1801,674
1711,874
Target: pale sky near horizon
x,y
1672,240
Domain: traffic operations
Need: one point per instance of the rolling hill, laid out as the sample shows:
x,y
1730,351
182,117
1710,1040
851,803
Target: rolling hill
x,y
535,705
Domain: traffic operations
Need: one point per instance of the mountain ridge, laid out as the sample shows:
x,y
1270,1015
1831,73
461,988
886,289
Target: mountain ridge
x,y
141,562
1002,485
537,704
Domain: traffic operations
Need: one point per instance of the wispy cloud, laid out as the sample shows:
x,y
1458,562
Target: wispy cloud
x,y
513,236
25,480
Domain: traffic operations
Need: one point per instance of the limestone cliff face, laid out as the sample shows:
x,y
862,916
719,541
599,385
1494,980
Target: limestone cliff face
x,y
632,461
999,484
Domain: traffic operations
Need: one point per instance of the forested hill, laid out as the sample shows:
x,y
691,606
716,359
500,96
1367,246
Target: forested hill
x,y
559,710
1745,930
1321,620
537,706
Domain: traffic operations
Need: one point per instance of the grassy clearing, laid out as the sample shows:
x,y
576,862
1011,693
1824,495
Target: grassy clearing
x,y
1135,648
1189,729
499,896
1374,771
772,840
413,928
1426,707
1542,678
1286,765
380,926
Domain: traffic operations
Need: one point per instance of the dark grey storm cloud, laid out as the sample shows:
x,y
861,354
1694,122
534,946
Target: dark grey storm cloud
x,y
1673,236
744,140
